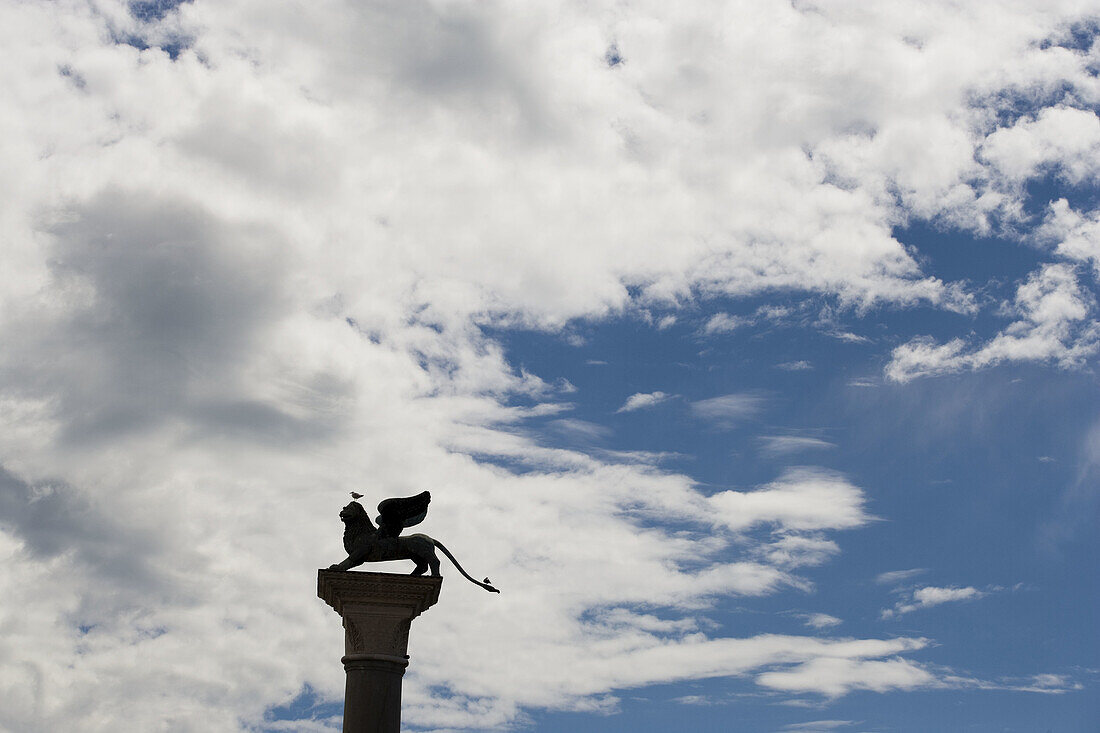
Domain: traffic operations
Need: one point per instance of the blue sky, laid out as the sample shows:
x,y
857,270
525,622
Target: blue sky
x,y
750,348
971,477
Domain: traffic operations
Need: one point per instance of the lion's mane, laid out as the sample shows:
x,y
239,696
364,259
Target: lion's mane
x,y
357,526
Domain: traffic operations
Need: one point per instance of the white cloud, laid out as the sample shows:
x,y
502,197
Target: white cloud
x,y
643,400
793,551
1073,234
821,621
582,430
1053,683
1043,684
781,445
836,676
724,323
640,456
848,336
893,577
1054,326
815,726
729,409
240,281
930,596
1065,137
795,366
801,499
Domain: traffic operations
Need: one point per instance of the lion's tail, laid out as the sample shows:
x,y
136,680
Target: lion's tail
x,y
466,575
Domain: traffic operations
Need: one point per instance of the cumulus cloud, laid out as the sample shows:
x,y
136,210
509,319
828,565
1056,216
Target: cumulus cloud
x,y
1054,326
1073,234
930,596
802,499
255,256
643,400
1064,137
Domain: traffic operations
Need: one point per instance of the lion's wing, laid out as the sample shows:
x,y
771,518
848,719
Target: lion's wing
x,y
404,511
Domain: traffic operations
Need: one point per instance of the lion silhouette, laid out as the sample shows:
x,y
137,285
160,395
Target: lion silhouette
x,y
366,543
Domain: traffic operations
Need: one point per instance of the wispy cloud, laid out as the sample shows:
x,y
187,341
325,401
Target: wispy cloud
x,y
795,366
798,550
1044,684
580,429
818,726
725,323
781,445
930,596
821,620
849,337
641,457
892,577
729,409
833,677
643,400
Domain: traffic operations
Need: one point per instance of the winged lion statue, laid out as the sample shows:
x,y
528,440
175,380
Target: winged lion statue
x,y
365,542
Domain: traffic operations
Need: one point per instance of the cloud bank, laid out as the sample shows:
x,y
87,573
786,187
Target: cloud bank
x,y
255,252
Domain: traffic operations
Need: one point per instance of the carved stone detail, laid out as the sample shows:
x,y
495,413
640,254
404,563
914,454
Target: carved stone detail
x,y
380,634
377,608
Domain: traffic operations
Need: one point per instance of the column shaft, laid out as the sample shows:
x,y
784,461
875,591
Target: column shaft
x,y
377,609
372,696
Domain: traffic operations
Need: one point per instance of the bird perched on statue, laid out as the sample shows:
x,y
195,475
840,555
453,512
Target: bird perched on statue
x,y
355,495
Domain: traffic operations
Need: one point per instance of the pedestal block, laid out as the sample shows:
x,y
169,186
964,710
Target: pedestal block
x,y
377,609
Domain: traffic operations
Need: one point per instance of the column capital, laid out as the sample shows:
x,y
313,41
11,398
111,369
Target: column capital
x,y
377,609
416,593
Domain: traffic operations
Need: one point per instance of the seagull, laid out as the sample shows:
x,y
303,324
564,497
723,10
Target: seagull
x,y
355,495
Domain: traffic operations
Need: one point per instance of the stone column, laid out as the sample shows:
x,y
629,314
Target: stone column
x,y
377,609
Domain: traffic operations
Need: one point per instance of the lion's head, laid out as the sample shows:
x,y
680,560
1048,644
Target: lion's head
x,y
357,526
353,513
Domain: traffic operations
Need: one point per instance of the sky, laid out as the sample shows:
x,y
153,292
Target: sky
x,y
749,347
